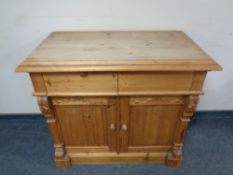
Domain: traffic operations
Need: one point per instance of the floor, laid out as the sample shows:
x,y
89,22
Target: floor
x,y
26,148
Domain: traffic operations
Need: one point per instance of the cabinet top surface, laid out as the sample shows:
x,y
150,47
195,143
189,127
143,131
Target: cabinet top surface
x,y
118,51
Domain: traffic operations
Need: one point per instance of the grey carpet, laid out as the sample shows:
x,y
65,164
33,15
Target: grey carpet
x,y
26,148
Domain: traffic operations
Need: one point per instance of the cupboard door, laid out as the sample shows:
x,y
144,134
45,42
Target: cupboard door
x,y
87,123
148,123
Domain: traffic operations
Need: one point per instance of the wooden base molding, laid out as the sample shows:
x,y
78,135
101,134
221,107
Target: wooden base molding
x,y
97,158
65,162
173,161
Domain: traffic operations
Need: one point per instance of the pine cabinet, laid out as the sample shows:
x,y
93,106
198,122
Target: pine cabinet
x,y
118,97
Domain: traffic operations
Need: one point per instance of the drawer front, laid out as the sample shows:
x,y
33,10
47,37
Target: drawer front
x,y
82,84
153,83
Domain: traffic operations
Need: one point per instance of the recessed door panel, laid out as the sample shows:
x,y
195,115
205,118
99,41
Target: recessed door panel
x,y
87,122
152,125
150,121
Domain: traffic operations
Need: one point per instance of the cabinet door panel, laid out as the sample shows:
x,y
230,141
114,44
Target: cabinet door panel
x,y
151,121
152,125
87,122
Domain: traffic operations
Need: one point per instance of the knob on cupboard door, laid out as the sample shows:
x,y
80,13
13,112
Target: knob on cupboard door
x,y
112,127
124,127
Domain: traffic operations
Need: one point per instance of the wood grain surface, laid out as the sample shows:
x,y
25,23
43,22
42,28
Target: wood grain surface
x,y
117,51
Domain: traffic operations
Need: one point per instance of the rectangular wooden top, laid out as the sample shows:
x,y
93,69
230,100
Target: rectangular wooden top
x,y
118,51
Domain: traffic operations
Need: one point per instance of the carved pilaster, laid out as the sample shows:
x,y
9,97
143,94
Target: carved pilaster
x,y
61,159
175,156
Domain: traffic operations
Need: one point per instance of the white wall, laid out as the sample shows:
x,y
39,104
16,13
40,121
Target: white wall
x,y
24,23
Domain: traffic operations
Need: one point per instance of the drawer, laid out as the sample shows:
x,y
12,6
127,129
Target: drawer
x,y
83,101
83,84
154,83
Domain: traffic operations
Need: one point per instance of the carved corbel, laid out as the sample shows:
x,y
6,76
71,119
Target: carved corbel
x,y
45,107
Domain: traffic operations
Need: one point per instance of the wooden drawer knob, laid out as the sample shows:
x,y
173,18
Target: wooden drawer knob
x,y
112,127
124,127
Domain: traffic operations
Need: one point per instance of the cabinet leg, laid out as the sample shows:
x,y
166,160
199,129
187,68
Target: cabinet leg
x,y
173,161
175,156
62,160
63,163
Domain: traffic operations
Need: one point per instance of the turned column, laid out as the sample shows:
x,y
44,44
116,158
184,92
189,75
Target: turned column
x,y
61,158
175,156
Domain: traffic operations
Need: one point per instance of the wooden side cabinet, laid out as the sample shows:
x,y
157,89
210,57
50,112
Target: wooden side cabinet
x,y
118,97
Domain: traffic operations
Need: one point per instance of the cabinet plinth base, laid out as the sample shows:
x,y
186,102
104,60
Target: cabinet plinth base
x,y
100,158
63,163
173,161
